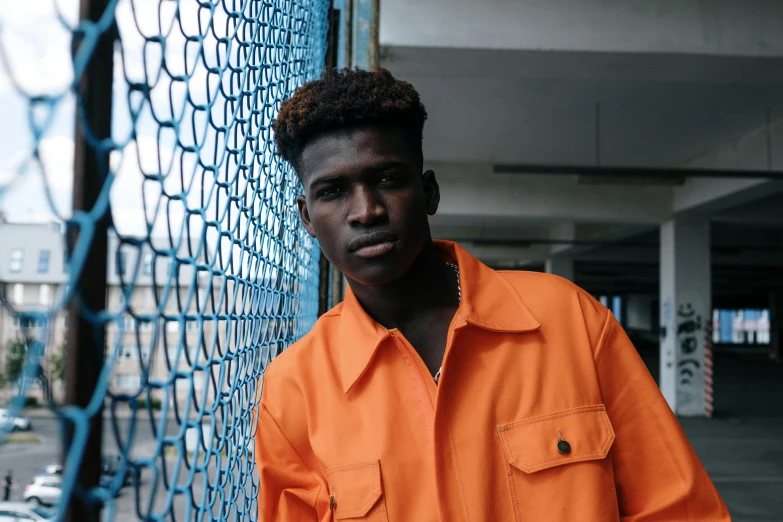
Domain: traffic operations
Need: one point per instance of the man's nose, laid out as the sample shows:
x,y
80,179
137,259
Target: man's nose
x,y
366,207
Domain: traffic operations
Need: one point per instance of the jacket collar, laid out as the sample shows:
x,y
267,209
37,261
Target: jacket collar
x,y
488,302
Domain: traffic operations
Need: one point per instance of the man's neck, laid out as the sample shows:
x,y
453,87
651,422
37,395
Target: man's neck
x,y
430,285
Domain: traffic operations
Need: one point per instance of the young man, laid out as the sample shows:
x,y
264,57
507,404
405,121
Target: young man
x,y
442,390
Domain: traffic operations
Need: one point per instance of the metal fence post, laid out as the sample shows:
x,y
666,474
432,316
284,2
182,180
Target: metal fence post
x,y
366,28
327,297
86,340
347,33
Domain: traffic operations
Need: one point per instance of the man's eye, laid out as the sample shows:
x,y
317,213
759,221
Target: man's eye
x,y
389,178
329,191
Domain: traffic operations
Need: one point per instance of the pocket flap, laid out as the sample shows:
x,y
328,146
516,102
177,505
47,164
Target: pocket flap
x,y
355,488
532,444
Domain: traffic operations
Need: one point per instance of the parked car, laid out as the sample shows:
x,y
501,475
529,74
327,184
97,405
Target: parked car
x,y
10,423
18,511
110,468
53,469
44,489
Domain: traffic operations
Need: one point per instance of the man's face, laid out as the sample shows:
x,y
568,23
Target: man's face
x,y
367,202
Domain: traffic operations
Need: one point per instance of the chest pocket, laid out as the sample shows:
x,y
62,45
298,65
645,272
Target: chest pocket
x,y
558,467
356,492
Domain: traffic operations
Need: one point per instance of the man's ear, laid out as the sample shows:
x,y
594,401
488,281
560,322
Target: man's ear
x,y
301,205
431,192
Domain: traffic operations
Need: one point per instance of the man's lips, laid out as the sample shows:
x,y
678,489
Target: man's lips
x,y
373,245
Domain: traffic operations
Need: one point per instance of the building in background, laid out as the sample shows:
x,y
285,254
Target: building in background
x,y
157,303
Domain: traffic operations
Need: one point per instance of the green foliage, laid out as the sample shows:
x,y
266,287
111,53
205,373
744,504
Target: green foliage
x,y
155,403
56,365
15,355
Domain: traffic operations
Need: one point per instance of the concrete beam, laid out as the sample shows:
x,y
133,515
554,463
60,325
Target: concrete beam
x,y
472,189
761,213
757,150
477,229
729,27
509,256
714,195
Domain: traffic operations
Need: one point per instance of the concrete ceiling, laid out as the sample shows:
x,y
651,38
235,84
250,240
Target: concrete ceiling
x,y
540,107
522,106
627,83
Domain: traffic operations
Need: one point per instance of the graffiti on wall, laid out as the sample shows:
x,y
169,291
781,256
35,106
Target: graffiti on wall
x,y
689,333
668,355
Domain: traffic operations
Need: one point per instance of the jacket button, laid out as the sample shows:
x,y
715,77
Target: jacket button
x,y
563,447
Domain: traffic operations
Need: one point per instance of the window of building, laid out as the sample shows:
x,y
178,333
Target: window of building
x,y
742,327
120,264
17,260
129,323
617,308
15,322
18,293
127,380
147,264
192,326
43,261
66,261
43,295
128,352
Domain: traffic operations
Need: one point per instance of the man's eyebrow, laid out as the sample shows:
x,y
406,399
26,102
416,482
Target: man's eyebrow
x,y
335,178
373,169
380,167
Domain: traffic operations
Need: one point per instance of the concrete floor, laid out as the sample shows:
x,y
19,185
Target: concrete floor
x,y
742,446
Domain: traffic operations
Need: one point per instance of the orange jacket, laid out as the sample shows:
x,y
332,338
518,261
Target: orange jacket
x,y
352,426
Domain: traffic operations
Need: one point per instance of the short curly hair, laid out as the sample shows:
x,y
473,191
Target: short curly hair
x,y
344,98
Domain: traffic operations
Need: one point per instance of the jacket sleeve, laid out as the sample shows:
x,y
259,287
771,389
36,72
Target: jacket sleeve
x,y
288,491
657,473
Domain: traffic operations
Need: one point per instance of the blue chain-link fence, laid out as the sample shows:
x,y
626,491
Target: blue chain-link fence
x,y
209,273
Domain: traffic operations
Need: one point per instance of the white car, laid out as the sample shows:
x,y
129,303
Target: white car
x,y
44,489
53,469
11,423
17,511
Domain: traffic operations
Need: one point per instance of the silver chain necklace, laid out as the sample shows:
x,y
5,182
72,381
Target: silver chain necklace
x,y
459,300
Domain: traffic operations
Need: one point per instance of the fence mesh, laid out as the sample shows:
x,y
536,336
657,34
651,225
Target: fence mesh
x,y
210,274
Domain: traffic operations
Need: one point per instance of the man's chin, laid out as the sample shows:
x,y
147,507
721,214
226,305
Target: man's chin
x,y
376,274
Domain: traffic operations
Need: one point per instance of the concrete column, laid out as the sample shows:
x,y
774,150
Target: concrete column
x,y
686,306
561,265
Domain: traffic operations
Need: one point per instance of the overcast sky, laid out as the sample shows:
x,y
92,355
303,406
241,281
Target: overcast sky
x,y
37,46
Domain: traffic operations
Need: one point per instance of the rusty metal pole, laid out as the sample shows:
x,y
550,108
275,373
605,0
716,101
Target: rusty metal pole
x,y
86,340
